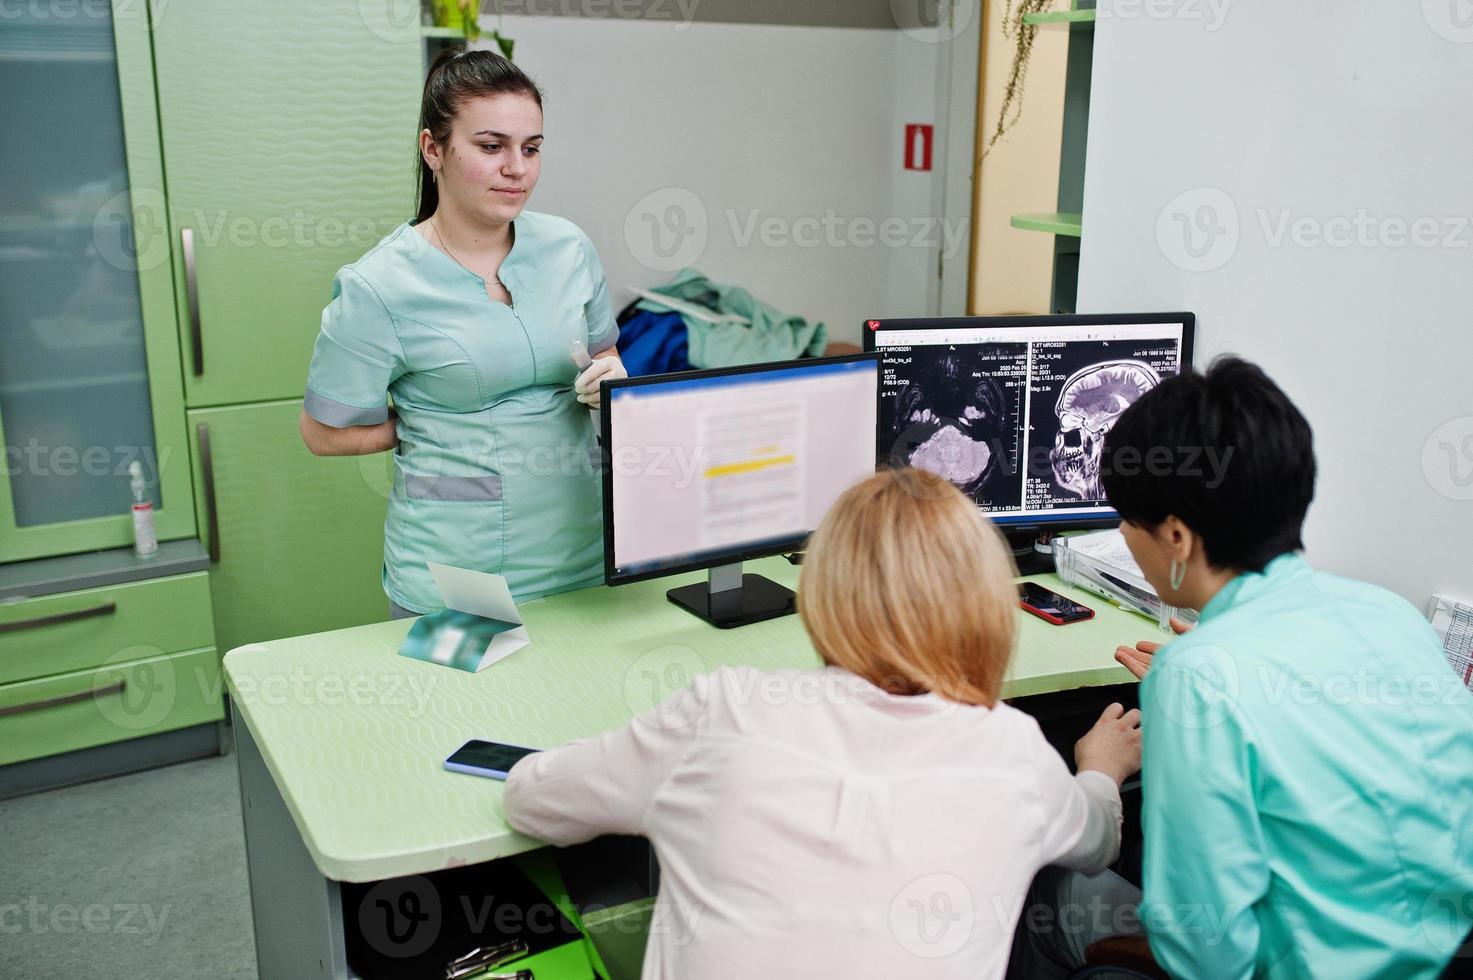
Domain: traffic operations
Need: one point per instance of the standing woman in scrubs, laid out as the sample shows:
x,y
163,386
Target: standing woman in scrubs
x,y
468,316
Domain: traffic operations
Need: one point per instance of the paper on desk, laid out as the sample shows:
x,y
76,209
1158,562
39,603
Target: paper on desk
x,y
480,627
1453,621
479,593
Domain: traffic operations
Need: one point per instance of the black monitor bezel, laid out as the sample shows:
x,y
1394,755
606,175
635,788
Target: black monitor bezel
x,y
1188,321
606,433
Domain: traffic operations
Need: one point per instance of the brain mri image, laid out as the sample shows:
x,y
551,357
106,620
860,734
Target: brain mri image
x,y
1089,403
956,415
1081,407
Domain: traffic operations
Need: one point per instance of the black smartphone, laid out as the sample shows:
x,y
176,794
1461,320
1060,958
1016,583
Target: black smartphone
x,y
493,759
1050,606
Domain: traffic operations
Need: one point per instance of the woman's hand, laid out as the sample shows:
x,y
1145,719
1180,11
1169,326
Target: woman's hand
x,y
1113,745
605,367
1137,659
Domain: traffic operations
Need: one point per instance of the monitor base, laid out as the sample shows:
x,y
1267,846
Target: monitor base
x,y
755,599
1027,557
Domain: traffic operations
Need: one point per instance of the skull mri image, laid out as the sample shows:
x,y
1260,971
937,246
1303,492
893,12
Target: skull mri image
x,y
1078,392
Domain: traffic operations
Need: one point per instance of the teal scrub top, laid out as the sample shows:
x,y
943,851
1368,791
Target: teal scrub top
x,y
1308,785
497,464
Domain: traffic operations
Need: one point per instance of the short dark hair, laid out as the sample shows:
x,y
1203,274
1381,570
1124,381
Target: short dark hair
x,y
1225,452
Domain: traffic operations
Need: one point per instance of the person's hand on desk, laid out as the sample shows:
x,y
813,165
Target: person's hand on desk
x,y
1113,745
1137,659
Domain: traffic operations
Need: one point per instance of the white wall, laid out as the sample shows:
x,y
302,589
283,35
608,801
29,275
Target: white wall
x,y
726,122
1321,112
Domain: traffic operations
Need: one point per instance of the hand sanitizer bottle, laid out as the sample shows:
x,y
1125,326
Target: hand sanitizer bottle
x,y
145,538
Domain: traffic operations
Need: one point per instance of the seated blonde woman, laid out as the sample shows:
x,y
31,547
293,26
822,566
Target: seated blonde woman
x,y
882,815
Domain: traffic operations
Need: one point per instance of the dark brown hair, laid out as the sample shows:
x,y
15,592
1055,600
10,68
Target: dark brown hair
x,y
456,77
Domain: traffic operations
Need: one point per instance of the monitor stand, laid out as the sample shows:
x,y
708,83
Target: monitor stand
x,y
728,598
1026,556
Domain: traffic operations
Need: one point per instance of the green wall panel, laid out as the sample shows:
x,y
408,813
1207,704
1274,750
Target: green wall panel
x,y
300,537
289,146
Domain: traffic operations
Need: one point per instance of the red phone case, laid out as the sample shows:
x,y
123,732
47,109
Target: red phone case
x,y
1057,621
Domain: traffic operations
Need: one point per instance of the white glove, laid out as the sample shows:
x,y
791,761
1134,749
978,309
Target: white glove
x,y
602,369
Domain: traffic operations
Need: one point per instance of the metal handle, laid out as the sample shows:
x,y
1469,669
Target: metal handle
x,y
116,687
191,292
207,467
105,609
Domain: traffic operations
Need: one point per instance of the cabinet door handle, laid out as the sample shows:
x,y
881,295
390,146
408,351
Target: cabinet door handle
x,y
116,687
107,608
212,511
191,294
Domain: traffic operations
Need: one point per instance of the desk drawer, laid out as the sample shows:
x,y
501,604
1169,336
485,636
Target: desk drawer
x,y
57,634
110,704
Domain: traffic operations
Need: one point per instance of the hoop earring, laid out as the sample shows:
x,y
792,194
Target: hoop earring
x,y
1178,574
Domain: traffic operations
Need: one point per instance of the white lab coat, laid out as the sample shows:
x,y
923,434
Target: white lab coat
x,y
808,824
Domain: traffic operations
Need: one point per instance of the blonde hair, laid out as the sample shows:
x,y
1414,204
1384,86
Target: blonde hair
x,y
907,585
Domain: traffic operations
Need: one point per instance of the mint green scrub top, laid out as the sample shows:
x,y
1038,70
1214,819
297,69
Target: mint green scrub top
x,y
497,466
1308,786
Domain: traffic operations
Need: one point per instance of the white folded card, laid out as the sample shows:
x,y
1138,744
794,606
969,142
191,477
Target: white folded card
x,y
480,625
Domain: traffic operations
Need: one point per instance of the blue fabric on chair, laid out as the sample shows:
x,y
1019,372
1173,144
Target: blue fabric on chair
x,y
653,342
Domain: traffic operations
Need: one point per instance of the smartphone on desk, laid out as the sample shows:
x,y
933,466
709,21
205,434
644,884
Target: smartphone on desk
x,y
491,759
1050,606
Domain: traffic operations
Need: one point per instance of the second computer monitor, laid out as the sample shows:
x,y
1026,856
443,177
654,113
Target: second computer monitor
x,y
1014,410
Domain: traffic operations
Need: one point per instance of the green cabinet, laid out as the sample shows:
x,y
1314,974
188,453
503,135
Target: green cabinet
x,y
89,356
95,666
117,701
162,283
289,131
297,539
70,631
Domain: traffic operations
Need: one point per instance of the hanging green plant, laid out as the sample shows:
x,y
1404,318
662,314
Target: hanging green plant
x,y
470,19
466,15
503,42
1021,34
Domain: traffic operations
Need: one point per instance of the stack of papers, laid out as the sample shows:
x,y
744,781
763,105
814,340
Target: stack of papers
x,y
1453,621
1102,563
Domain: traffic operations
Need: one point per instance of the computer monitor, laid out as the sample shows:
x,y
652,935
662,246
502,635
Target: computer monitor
x,y
1013,410
706,469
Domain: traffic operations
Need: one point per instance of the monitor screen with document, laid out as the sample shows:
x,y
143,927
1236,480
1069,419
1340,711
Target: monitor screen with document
x,y
1014,410
707,468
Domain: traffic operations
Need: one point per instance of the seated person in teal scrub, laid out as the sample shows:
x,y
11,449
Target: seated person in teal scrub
x,y
1308,763
469,316
878,817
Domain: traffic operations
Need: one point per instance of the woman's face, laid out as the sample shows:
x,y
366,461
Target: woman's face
x,y
492,158
1151,554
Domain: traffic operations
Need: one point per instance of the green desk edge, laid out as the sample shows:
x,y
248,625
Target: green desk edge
x,y
355,735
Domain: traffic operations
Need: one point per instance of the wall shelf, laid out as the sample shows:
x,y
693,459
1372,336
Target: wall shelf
x,y
1052,222
1060,17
